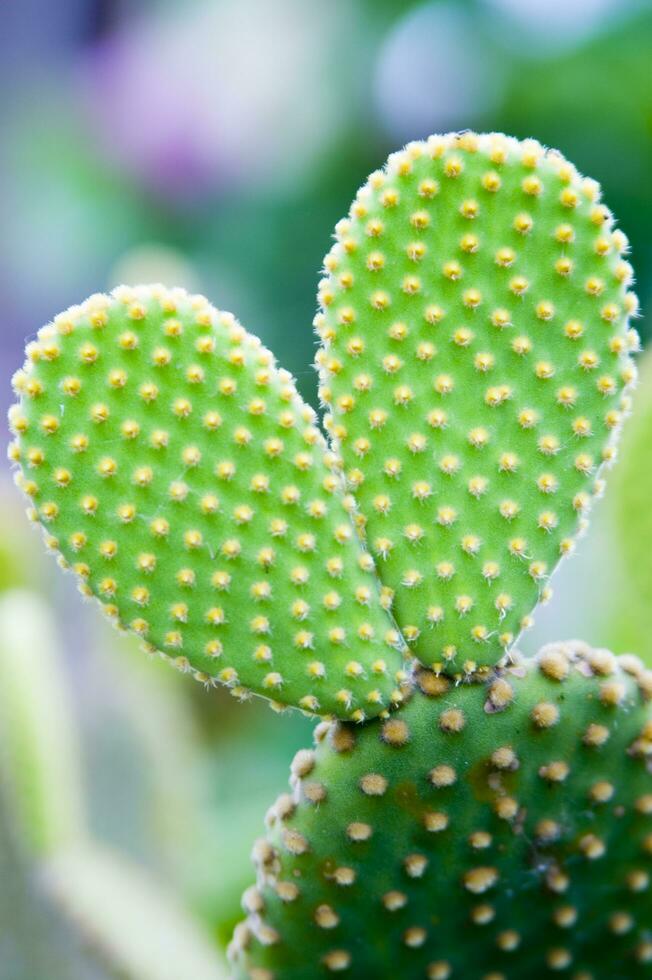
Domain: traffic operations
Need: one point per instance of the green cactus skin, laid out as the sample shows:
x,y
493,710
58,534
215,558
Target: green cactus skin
x,y
484,831
179,474
475,348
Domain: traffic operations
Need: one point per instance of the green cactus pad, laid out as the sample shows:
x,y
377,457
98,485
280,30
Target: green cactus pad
x,y
179,474
484,831
475,348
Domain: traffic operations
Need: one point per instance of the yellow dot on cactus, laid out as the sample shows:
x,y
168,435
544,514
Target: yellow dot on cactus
x,y
491,181
532,186
563,266
469,209
480,879
469,243
452,270
545,714
453,166
428,188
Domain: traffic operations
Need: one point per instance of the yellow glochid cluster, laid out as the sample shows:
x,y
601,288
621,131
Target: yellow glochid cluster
x,y
475,351
178,473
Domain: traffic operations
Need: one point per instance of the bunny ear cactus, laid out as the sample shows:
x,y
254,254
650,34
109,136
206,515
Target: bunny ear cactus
x,y
493,819
179,474
483,831
475,350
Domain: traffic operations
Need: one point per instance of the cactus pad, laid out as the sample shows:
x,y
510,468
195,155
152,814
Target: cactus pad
x,y
178,473
475,348
485,831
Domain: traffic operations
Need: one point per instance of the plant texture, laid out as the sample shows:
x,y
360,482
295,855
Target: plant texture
x,y
466,812
483,831
474,356
185,482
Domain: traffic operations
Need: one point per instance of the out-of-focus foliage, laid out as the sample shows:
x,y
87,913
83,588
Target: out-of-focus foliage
x,y
39,754
632,516
77,893
35,940
136,925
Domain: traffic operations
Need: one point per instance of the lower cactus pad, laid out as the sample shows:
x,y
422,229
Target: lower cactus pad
x,y
493,831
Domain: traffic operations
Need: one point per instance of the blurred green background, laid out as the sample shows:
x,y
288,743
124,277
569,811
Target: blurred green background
x,y
214,144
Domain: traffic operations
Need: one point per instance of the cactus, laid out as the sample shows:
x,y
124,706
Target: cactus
x,y
474,354
485,830
465,807
180,475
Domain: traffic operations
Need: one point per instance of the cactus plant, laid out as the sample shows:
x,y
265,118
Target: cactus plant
x,y
474,353
185,482
464,807
499,829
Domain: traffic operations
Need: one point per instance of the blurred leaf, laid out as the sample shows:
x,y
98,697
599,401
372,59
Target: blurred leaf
x,y
38,749
143,755
132,921
21,553
35,941
243,772
632,510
